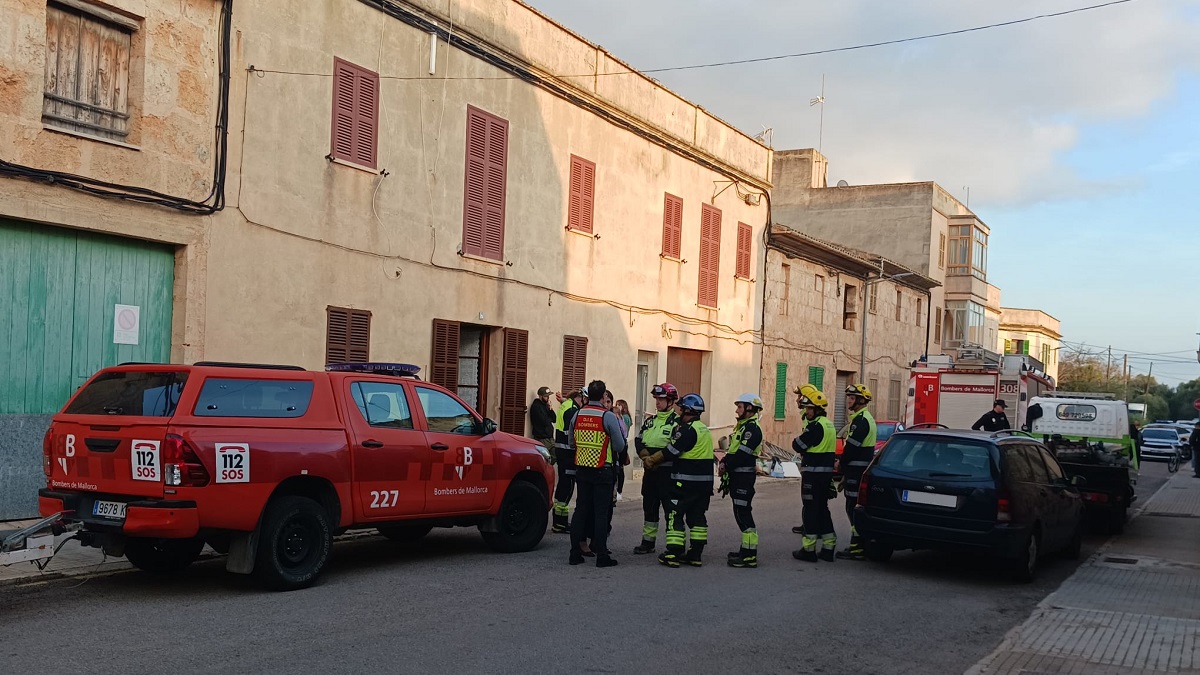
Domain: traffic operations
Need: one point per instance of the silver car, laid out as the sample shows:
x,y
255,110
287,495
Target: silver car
x,y
1161,442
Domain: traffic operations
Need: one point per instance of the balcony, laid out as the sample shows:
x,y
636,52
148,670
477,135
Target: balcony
x,y
966,288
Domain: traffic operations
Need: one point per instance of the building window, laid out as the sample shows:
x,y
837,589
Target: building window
x,y
87,71
920,313
581,203
941,251
355,129
672,226
873,385
745,238
347,335
979,255
1018,347
937,325
710,256
781,390
486,185
968,251
964,323
787,290
873,302
816,377
819,292
893,403
899,303
574,363
850,307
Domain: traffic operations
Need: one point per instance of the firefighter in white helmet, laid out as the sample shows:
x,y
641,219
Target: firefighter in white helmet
x,y
738,470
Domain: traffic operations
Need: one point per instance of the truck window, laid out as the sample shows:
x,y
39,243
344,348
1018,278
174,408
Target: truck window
x,y
445,415
221,397
382,404
1076,412
130,394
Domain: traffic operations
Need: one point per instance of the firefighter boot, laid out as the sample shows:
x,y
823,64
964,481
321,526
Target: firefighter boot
x,y
694,554
670,558
826,554
745,558
560,523
805,555
644,547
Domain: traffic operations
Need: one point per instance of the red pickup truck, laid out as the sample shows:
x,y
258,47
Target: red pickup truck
x,y
269,463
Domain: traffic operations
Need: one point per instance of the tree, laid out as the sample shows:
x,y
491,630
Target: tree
x,y
1182,398
1080,372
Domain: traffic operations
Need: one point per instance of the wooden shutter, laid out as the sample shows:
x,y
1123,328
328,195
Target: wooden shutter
x,y
86,72
781,393
672,226
486,185
574,362
744,236
582,195
443,370
816,377
347,335
355,128
710,255
516,375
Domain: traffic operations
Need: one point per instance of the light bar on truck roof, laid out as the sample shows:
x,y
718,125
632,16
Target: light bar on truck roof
x,y
394,369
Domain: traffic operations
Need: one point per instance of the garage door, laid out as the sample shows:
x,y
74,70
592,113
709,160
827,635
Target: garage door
x,y
72,302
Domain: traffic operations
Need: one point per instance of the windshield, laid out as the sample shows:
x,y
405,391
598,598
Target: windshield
x,y
933,457
884,431
1160,434
130,394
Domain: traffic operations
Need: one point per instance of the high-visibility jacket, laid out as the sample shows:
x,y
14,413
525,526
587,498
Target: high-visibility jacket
x,y
591,440
692,447
561,423
745,447
818,446
656,432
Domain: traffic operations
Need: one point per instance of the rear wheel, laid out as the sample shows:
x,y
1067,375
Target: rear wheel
x,y
294,544
521,521
404,534
877,552
162,556
1024,566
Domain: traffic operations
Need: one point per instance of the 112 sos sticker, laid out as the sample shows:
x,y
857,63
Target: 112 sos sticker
x,y
233,463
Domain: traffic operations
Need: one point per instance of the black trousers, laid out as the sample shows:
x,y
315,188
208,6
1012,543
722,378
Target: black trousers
x,y
814,494
564,461
593,510
688,505
656,491
741,491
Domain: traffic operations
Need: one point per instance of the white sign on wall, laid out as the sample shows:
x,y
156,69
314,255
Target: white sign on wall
x,y
127,320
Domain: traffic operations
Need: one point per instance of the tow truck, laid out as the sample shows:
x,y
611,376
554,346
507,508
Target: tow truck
x,y
954,390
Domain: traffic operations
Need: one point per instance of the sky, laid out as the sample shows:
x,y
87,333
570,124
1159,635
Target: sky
x,y
1077,136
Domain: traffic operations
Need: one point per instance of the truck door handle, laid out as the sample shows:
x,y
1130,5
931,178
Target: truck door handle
x,y
372,444
440,446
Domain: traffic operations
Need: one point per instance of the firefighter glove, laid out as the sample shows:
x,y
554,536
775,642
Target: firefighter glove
x,y
724,488
833,488
653,460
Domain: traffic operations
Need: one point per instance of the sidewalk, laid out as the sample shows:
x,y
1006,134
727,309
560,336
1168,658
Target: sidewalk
x,y
1132,608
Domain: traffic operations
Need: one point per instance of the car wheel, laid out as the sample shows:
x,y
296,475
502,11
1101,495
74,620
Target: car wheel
x,y
162,556
1074,547
522,520
1024,566
877,552
404,534
294,544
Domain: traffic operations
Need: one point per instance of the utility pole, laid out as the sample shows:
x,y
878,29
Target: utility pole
x,y
1148,376
1124,369
1108,369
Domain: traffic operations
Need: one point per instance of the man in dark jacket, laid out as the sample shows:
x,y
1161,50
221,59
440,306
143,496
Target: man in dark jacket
x,y
542,418
1194,441
994,420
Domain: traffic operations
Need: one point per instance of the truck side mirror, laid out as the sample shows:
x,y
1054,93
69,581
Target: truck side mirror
x,y
489,427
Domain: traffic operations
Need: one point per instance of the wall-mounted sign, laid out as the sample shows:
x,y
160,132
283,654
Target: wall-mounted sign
x,y
127,320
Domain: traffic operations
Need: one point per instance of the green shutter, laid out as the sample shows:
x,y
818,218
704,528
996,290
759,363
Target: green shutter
x,y
780,390
816,377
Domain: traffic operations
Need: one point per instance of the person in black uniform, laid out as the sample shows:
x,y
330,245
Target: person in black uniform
x,y
994,420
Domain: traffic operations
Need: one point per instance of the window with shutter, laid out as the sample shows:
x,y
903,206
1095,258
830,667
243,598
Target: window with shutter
x,y
781,393
443,370
899,303
516,375
347,335
710,256
744,236
937,325
582,195
87,71
485,185
355,128
816,377
672,226
574,368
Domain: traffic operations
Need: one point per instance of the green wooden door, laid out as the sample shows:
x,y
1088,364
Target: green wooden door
x,y
59,290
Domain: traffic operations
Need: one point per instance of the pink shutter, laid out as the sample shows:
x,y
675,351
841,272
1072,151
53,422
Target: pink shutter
x,y
744,234
581,195
672,225
497,185
710,255
342,128
366,118
475,199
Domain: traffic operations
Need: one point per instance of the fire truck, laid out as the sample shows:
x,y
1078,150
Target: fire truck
x,y
955,390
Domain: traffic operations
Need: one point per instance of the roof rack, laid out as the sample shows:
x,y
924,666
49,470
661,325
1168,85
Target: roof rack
x,y
1097,395
393,369
227,364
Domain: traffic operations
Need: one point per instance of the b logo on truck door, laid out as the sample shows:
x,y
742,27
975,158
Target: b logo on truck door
x,y
465,457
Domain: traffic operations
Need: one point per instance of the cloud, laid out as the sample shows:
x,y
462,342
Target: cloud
x,y
996,110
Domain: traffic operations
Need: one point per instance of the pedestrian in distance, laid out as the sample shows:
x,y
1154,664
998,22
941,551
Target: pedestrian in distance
x,y
565,460
738,471
817,448
654,436
691,452
621,409
995,420
596,441
856,456
542,419
1194,442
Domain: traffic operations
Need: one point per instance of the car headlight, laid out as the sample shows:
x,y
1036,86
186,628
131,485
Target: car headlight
x,y
544,452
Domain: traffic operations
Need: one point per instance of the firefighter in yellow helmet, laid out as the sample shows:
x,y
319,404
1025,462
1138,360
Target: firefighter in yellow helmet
x,y
858,453
817,447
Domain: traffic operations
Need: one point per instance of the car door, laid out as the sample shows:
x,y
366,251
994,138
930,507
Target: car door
x,y
1020,483
1044,499
390,456
1063,497
463,471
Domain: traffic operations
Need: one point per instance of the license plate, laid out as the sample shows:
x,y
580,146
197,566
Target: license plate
x,y
114,510
931,498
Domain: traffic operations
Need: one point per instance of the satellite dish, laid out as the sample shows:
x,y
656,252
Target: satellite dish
x,y
842,183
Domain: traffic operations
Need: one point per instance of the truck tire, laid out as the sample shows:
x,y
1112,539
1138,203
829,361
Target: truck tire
x,y
404,534
294,543
162,556
522,520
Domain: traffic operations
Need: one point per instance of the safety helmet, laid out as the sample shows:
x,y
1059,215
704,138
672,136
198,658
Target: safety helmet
x,y
859,390
692,403
750,399
665,390
582,391
810,395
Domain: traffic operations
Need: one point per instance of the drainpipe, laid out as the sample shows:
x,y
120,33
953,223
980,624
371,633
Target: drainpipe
x,y
928,319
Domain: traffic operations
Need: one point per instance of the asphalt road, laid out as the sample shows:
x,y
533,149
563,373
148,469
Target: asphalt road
x,y
449,605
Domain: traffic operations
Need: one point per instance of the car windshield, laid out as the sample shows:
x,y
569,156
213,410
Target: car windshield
x,y
937,457
1160,434
884,431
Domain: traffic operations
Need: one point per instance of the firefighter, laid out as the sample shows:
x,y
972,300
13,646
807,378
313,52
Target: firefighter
x,y
691,451
564,460
597,441
654,436
858,453
817,446
738,470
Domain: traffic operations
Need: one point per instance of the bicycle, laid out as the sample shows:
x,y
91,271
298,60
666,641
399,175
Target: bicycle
x,y
1173,462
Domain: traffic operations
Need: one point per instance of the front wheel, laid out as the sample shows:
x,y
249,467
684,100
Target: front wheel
x,y
162,556
521,521
294,544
